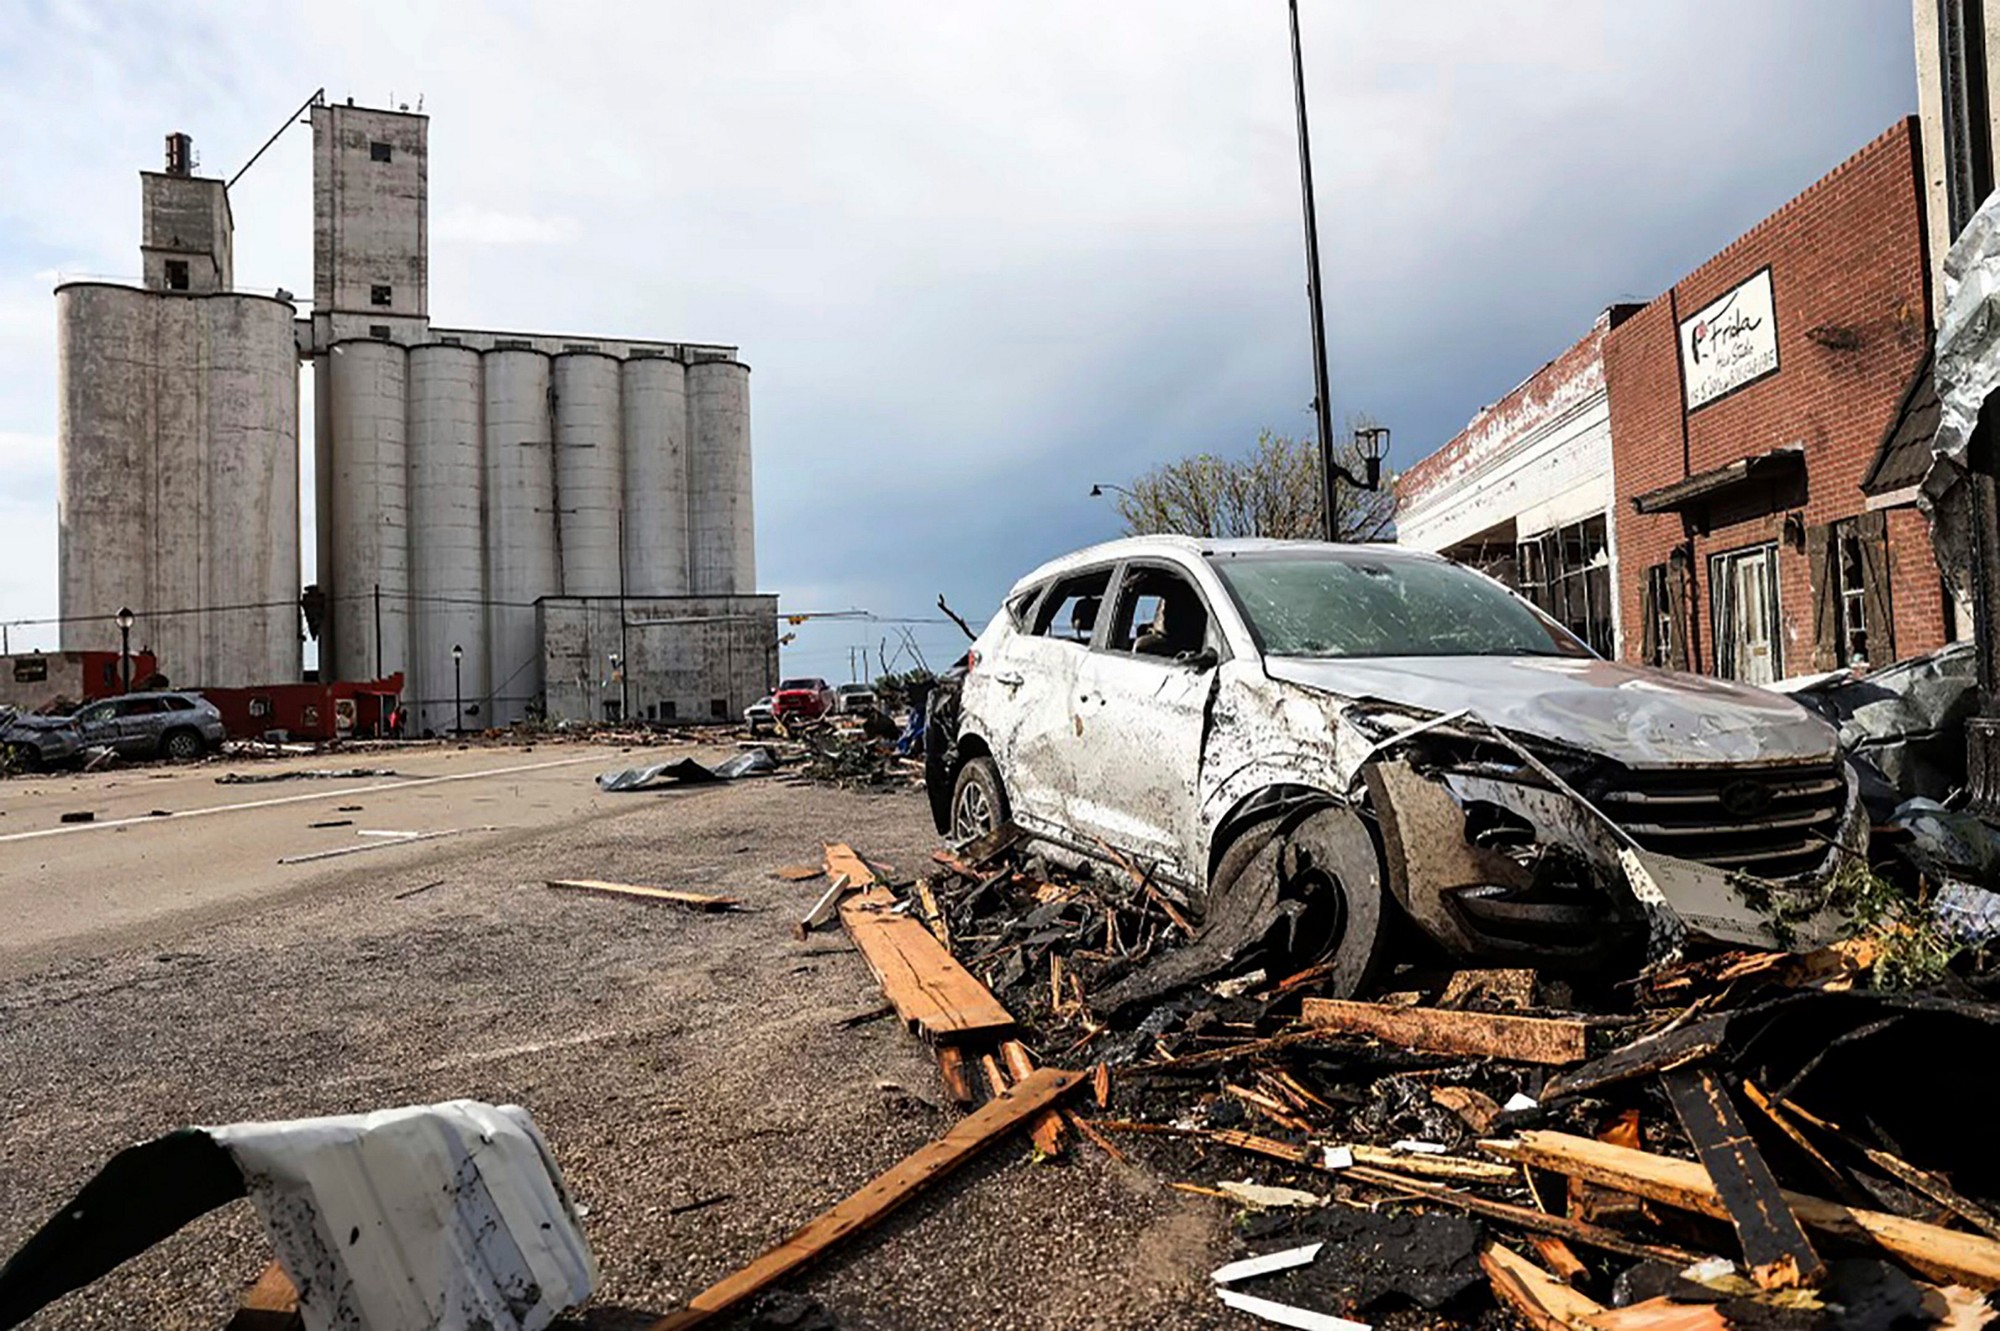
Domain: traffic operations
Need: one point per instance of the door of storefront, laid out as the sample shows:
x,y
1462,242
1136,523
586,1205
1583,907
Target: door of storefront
x,y
1744,600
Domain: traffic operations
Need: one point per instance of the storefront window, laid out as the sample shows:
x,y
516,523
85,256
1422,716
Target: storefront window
x,y
1567,572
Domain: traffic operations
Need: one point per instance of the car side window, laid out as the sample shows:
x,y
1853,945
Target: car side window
x,y
180,704
141,707
1159,614
1019,606
91,716
1069,611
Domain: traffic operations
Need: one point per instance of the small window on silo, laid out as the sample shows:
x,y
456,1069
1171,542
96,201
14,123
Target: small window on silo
x,y
380,332
667,711
719,708
177,275
380,152
381,294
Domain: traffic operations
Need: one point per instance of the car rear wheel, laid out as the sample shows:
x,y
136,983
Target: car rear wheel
x,y
1333,911
978,801
183,746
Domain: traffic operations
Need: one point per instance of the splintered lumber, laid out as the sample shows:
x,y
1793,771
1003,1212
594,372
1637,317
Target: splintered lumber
x,y
272,1304
699,900
1775,1248
841,859
1661,1314
970,1135
798,873
1524,1217
1047,1129
1438,1031
823,909
1942,1254
1284,1314
1641,1058
1560,1259
933,994
1546,1303
1937,1189
1836,1178
951,1071
1508,988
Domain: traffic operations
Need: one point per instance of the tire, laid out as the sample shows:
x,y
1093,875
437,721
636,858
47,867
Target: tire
x,y
25,757
1327,876
978,800
182,746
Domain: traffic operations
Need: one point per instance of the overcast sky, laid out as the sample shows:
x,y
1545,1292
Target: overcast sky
x,y
979,255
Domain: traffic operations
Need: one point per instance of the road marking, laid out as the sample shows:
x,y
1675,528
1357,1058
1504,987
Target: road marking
x,y
343,793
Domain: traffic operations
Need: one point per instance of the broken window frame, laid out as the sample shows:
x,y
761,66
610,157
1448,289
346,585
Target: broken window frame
x,y
179,275
1853,619
1118,640
1059,594
381,294
1566,571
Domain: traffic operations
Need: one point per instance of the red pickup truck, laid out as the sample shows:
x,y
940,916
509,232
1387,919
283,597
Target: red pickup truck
x,y
802,699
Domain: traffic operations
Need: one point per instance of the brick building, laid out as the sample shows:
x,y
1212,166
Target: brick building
x,y
1747,405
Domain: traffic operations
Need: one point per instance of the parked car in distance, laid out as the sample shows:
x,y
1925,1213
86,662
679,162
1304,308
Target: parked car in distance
x,y
180,726
802,699
849,698
1308,742
760,714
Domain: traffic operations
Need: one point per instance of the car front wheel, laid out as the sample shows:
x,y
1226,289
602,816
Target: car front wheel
x,y
978,801
1320,867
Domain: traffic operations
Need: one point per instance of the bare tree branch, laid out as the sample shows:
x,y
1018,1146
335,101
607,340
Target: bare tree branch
x,y
1273,491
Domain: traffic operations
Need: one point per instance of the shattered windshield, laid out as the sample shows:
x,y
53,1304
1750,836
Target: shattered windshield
x,y
1357,604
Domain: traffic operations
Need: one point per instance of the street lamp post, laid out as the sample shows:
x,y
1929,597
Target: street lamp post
x,y
618,678
1097,491
125,618
457,690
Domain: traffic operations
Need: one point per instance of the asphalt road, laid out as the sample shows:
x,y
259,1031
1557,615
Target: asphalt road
x,y
172,849
691,1071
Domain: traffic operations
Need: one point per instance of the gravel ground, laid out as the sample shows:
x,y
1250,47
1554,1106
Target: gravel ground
x,y
670,1057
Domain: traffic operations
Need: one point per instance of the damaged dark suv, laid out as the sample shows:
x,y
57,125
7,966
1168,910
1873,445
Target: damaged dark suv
x,y
1307,741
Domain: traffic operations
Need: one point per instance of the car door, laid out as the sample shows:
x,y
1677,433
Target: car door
x,y
99,724
1137,711
139,725
1023,695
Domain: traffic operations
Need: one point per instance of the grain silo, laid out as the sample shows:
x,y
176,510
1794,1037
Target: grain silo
x,y
177,447
570,514
447,536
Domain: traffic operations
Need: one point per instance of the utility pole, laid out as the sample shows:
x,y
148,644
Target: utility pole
x,y
378,631
1322,405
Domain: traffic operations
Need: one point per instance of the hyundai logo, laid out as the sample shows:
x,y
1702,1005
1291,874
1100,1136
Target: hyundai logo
x,y
1745,798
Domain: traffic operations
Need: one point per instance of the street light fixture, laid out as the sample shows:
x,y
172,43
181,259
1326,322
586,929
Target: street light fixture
x,y
1097,491
125,619
1372,444
457,689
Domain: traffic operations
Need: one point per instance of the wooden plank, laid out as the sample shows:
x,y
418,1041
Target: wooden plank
x,y
1047,1129
1942,1254
1833,1175
1641,1058
951,1070
699,900
1510,988
1544,1302
1937,1188
841,859
798,873
969,1136
1525,1217
271,1304
1435,1030
1661,1314
1775,1248
823,909
933,994
1560,1258
933,917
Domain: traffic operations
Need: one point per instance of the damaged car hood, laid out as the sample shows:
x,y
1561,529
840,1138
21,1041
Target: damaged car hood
x,y
1637,716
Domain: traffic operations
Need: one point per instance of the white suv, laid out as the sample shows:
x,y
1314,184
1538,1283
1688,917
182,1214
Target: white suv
x,y
1304,741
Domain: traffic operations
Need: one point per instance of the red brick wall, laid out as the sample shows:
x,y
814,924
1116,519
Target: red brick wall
x,y
1847,254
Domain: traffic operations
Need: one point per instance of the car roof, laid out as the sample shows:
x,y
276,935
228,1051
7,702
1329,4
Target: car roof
x,y
1137,547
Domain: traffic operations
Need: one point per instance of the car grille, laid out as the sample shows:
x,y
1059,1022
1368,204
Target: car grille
x,y
1775,822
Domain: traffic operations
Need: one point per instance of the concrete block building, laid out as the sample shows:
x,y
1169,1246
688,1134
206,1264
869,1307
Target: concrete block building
x,y
461,476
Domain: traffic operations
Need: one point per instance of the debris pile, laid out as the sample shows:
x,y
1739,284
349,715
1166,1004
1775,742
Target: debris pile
x,y
1749,1139
851,751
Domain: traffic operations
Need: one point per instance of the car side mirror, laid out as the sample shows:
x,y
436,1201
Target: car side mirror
x,y
1205,659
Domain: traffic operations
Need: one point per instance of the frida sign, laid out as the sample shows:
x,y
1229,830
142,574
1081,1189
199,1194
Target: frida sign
x,y
1730,342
